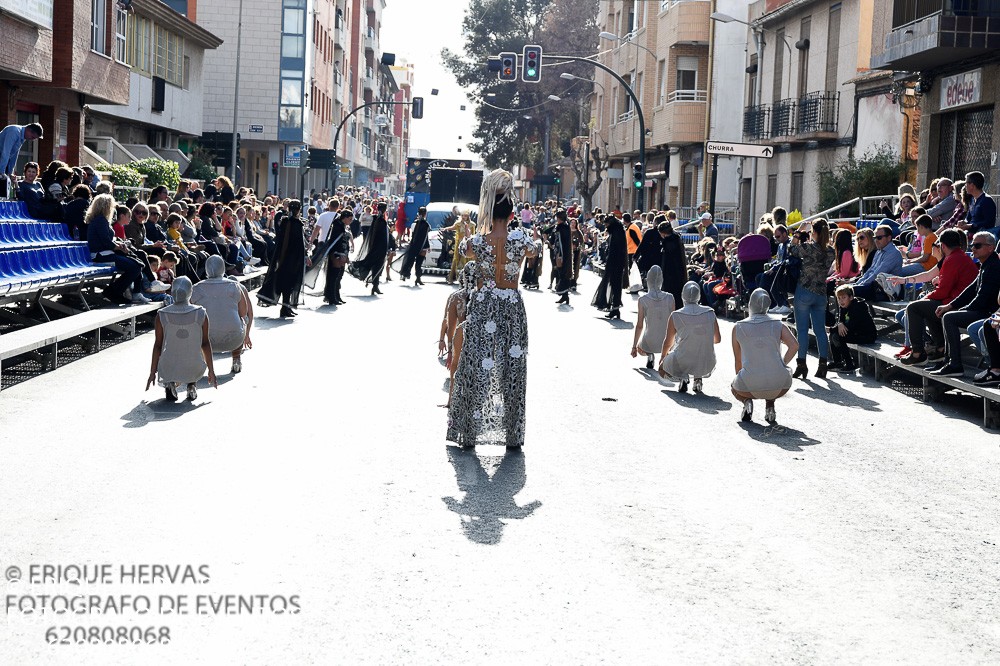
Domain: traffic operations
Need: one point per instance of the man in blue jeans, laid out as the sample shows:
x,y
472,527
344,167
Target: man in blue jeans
x,y
977,301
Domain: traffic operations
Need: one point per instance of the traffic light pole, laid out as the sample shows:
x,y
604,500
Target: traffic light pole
x,y
336,136
640,197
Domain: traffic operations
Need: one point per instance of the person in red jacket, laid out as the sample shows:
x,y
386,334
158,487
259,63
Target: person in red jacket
x,y
402,228
954,273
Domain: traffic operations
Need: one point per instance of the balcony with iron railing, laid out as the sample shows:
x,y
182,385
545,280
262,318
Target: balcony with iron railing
x,y
812,117
371,40
931,33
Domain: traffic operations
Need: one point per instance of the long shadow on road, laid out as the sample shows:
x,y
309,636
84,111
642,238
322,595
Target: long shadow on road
x,y
489,500
787,438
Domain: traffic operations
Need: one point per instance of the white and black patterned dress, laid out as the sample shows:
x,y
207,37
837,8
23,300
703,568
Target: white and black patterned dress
x,y
487,406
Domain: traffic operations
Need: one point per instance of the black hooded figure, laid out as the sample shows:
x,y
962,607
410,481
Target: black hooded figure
x,y
370,263
562,245
283,281
650,251
340,247
420,245
609,292
674,260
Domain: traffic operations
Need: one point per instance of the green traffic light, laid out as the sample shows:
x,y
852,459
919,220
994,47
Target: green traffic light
x,y
638,184
531,72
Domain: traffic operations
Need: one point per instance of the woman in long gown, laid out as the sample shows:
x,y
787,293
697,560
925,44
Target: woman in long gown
x,y
655,308
533,265
370,263
689,346
488,399
283,281
609,292
418,248
463,229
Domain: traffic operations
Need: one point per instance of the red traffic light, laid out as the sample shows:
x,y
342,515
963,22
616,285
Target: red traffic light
x,y
274,165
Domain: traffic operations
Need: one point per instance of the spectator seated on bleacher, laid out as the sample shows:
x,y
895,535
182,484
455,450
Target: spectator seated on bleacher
x,y
918,257
31,192
991,375
977,301
901,216
983,210
855,325
887,259
75,212
946,202
105,248
953,274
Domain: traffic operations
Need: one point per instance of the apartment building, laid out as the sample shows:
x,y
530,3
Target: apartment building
x,y
404,75
165,52
810,94
945,57
58,57
684,78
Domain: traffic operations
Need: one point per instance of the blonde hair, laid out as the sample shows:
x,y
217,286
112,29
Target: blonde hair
x,y
497,186
861,255
103,205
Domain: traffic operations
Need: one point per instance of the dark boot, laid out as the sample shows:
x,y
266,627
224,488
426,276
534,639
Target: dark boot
x,y
801,370
848,364
821,370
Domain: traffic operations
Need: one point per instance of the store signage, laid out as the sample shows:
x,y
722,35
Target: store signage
x,y
293,155
38,12
961,89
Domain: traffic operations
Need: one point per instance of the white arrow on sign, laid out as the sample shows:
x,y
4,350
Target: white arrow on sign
x,y
738,149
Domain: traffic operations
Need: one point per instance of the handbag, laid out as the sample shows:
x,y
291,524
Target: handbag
x,y
338,260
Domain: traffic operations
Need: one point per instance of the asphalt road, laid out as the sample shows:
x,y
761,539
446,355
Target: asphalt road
x,y
638,526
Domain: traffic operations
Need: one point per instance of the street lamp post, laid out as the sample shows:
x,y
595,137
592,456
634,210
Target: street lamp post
x,y
640,193
236,98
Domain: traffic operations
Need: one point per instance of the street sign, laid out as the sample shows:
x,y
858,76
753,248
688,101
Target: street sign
x,y
739,149
293,155
256,129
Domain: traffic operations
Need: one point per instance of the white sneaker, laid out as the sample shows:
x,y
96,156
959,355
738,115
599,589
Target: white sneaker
x,y
158,287
697,385
770,416
780,310
192,392
237,366
253,261
747,411
139,299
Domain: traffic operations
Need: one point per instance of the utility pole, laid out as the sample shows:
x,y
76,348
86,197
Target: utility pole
x,y
236,98
640,197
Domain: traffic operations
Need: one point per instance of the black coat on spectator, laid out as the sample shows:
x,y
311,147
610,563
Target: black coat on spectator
x,y
858,320
74,213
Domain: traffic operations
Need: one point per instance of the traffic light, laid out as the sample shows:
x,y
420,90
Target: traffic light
x,y
638,177
531,71
508,67
274,168
304,158
417,110
557,179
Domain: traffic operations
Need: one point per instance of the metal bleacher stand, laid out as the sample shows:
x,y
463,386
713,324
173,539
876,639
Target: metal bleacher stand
x,y
47,284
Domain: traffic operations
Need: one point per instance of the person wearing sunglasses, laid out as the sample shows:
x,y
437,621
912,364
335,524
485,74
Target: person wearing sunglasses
x,y
887,260
977,301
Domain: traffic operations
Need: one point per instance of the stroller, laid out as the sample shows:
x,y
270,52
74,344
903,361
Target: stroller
x,y
752,252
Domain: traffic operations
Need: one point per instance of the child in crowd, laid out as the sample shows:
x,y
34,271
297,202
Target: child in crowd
x,y
155,290
854,325
168,266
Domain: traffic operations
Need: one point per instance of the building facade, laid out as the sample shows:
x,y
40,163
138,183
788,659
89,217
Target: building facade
x,y
58,57
667,52
945,60
165,51
810,94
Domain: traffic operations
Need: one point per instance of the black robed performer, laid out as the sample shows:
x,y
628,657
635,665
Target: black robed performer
x,y
370,263
284,276
562,243
339,241
649,253
674,259
609,292
420,245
